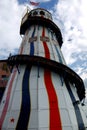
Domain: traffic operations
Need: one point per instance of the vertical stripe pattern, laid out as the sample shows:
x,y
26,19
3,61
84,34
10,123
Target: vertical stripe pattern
x,y
59,56
55,121
76,108
7,100
32,43
60,59
25,113
47,54
54,114
25,105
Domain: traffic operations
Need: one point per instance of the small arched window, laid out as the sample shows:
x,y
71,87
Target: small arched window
x,y
35,13
42,13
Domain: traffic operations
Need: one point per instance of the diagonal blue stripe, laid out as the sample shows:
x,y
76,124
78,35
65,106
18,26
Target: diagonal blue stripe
x,y
59,56
60,59
25,105
32,43
76,108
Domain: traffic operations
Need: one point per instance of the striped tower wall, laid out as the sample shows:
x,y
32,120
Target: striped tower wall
x,y
36,97
38,46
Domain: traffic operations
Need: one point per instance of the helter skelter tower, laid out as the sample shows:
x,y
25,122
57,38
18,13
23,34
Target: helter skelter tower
x,y
42,93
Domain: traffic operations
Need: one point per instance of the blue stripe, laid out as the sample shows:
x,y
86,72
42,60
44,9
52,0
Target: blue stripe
x,y
59,56
76,108
26,104
32,44
60,59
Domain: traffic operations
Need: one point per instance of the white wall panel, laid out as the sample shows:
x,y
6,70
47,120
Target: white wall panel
x,y
56,79
32,128
6,121
12,89
33,122
54,52
72,117
19,79
67,128
65,117
33,78
43,118
16,102
34,99
41,83
36,42
27,129
33,82
13,116
74,90
67,97
61,99
2,104
42,128
43,103
42,92
43,99
40,45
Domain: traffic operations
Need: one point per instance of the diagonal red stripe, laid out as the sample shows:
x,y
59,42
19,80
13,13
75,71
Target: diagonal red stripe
x,y
7,100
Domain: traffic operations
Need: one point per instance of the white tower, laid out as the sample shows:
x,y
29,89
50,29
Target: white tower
x,y
42,93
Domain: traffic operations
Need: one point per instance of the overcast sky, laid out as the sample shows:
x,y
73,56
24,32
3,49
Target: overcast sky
x,y
69,15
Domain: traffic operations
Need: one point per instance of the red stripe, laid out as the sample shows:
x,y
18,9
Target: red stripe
x,y
55,121
7,100
47,54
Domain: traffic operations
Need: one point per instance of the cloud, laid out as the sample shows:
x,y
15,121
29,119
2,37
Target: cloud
x,y
11,13
74,25
42,1
45,0
10,19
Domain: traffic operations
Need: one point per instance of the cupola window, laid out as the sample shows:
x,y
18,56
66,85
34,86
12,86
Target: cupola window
x,y
42,13
35,13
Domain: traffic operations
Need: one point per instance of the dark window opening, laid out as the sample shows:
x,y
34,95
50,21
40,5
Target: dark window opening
x,y
35,13
42,13
4,76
